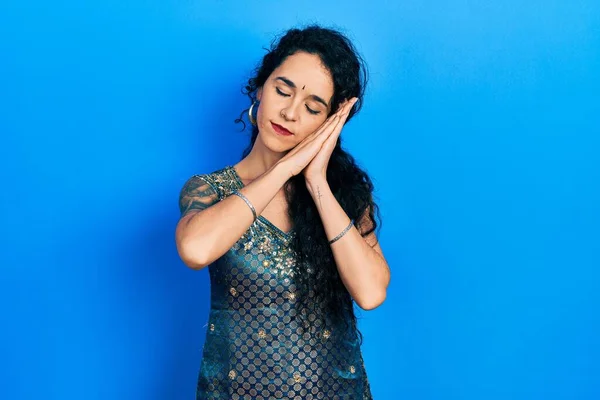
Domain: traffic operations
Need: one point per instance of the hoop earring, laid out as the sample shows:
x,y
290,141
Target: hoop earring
x,y
250,116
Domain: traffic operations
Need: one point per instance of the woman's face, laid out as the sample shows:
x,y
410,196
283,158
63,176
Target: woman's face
x,y
297,95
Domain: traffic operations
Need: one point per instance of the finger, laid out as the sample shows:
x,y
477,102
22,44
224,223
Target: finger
x,y
338,118
333,119
338,128
322,138
349,104
324,127
344,115
333,136
331,140
310,138
346,106
333,123
333,128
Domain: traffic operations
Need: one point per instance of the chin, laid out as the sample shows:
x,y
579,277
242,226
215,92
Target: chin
x,y
272,142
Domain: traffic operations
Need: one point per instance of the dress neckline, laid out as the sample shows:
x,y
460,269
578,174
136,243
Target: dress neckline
x,y
287,235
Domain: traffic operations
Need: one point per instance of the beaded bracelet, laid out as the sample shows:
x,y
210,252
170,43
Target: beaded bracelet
x,y
241,196
342,233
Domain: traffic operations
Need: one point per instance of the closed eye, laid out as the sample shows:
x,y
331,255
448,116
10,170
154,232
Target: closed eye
x,y
307,107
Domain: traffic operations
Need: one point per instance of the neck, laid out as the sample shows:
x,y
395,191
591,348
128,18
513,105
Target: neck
x,y
259,160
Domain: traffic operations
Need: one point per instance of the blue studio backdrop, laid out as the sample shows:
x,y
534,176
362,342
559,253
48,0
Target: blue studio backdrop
x,y
480,129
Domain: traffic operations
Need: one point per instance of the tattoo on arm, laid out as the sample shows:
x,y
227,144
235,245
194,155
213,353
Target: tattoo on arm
x,y
197,194
319,195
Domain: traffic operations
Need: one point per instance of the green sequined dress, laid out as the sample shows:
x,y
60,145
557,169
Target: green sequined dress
x,y
254,349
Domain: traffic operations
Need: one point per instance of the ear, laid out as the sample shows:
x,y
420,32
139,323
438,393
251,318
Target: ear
x,y
259,93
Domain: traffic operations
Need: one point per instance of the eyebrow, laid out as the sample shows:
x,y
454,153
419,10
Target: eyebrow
x,y
293,85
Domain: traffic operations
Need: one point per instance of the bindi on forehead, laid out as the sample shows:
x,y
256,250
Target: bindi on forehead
x,y
291,84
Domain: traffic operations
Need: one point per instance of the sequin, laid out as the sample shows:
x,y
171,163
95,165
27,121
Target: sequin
x,y
261,351
291,296
265,245
297,377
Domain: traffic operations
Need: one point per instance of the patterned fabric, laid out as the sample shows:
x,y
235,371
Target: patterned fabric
x,y
254,347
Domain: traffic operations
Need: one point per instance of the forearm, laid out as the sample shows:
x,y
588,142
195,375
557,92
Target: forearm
x,y
207,235
363,271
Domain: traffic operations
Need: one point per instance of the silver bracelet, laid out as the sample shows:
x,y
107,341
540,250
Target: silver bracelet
x,y
241,196
342,233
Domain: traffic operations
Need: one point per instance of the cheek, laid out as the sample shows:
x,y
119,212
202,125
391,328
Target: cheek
x,y
261,117
267,109
311,127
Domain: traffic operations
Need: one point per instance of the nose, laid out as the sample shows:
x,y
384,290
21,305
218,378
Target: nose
x,y
290,112
287,114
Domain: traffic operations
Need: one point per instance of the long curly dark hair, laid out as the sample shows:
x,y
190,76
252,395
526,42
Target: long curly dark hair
x,y
320,291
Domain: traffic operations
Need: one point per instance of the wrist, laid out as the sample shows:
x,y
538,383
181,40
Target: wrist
x,y
282,172
316,179
317,185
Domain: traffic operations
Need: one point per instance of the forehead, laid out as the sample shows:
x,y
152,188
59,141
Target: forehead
x,y
306,69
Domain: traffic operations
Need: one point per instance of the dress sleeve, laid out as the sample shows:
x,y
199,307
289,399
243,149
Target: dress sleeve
x,y
198,193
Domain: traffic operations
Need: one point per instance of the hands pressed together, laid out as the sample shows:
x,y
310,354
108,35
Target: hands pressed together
x,y
311,156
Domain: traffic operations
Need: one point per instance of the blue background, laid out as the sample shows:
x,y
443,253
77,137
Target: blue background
x,y
480,129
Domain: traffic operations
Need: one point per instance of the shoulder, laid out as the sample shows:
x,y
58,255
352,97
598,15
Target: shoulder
x,y
201,191
222,181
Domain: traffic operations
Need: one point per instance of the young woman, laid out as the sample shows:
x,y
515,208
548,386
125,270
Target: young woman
x,y
289,234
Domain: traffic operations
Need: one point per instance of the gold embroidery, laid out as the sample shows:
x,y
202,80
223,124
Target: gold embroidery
x,y
291,295
265,245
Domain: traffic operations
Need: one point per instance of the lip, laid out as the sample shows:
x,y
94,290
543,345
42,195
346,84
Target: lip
x,y
281,130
